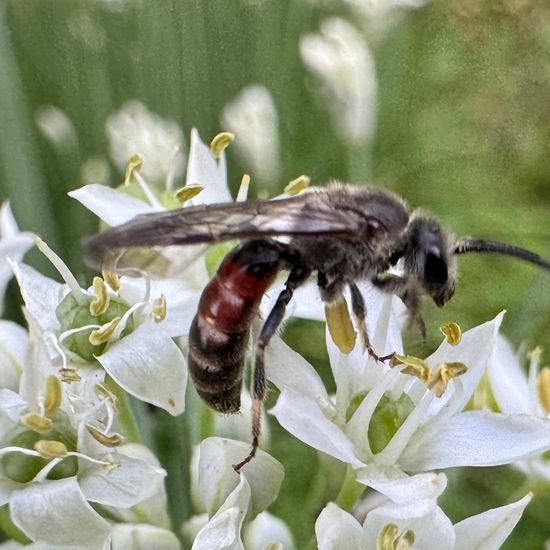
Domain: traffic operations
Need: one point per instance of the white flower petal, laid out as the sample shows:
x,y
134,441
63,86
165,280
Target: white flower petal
x,y
111,206
138,537
7,488
415,494
13,349
338,56
12,406
303,418
488,530
152,509
478,438
474,350
57,513
125,482
289,370
308,303
267,529
41,295
252,117
223,530
217,479
150,366
203,168
336,529
432,530
508,380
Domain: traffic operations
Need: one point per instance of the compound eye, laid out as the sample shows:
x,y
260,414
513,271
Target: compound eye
x,y
435,270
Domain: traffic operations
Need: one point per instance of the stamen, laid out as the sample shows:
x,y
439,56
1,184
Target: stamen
x,y
69,375
413,366
389,538
102,391
134,165
220,143
64,335
100,304
340,326
452,332
153,201
440,378
37,423
50,449
114,440
159,309
102,334
53,395
186,193
543,381
63,270
108,272
242,194
296,185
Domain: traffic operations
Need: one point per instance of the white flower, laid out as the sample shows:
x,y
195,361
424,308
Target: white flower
x,y
136,130
13,245
252,117
430,432
145,362
518,393
56,126
230,498
341,61
45,432
13,347
417,529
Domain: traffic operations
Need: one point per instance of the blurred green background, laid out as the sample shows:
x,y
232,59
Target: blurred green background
x,y
463,130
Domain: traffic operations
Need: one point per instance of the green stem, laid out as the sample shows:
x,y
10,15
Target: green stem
x,y
351,490
125,415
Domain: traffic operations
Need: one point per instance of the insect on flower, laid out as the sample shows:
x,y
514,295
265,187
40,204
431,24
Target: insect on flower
x,y
342,235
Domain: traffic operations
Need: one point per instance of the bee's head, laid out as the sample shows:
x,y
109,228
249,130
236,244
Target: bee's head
x,y
428,258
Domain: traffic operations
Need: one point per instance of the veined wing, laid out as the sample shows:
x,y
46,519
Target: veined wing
x,y
308,214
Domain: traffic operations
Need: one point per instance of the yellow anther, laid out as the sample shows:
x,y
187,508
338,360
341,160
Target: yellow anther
x,y
543,388
220,142
242,193
389,538
69,375
188,192
440,377
297,185
101,302
103,392
452,332
134,165
413,366
102,335
37,423
54,394
114,440
50,449
111,277
340,326
159,309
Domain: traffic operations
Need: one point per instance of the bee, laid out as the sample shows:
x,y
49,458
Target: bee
x,y
341,235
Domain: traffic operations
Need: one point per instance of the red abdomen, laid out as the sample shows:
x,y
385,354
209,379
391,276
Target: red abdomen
x,y
219,332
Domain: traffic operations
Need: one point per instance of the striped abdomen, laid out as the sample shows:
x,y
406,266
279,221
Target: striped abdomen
x,y
220,330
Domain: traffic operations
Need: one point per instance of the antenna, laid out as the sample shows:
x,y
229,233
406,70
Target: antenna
x,y
481,245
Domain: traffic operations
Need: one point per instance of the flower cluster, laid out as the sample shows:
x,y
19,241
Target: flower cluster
x,y
75,470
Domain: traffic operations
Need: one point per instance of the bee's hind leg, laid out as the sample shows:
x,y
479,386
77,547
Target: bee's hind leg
x,y
298,275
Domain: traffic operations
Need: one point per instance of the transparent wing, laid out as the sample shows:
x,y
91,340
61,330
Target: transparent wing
x,y
303,215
